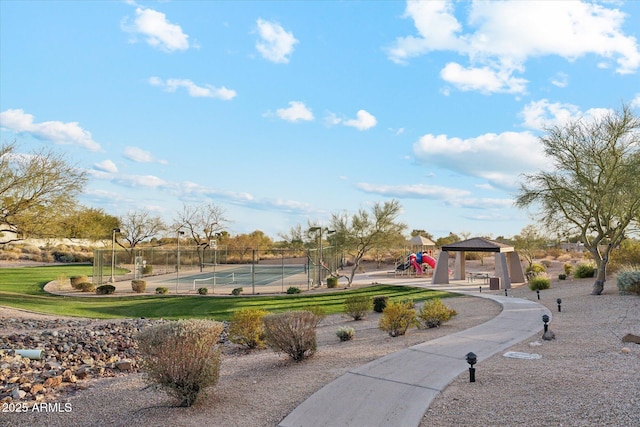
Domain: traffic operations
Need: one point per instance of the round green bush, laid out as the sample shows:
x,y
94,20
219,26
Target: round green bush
x,y
536,269
105,289
562,276
332,282
584,270
147,269
161,290
77,280
203,291
380,303
86,287
539,283
138,285
236,291
293,290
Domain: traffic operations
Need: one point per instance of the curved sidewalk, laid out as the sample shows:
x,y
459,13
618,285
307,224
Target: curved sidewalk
x,y
397,389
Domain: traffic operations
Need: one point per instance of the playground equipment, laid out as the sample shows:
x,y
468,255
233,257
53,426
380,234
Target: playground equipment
x,y
416,261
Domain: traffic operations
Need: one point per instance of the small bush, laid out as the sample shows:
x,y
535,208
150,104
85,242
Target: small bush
x,y
293,290
332,282
236,291
568,268
358,306
203,291
292,333
182,356
147,269
539,282
138,285
396,318
76,280
628,281
584,270
434,313
105,289
318,311
86,287
535,269
246,327
345,333
161,290
562,276
380,303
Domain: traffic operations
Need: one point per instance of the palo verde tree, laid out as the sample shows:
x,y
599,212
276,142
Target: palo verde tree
x,y
593,189
364,231
528,242
201,223
136,227
35,189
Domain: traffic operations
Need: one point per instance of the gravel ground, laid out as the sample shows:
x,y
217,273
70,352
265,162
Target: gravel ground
x,y
584,378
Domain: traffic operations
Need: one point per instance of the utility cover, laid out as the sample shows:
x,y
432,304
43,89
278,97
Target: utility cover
x,y
519,355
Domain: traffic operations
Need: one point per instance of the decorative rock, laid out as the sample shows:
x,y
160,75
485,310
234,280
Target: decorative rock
x,y
124,365
626,350
18,394
36,388
549,335
53,381
631,338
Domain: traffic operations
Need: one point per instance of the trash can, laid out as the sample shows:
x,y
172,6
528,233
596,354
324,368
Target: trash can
x,y
494,283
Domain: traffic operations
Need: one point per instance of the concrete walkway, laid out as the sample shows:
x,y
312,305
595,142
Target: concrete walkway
x,y
396,390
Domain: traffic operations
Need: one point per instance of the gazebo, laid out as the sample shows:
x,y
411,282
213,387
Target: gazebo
x,y
508,267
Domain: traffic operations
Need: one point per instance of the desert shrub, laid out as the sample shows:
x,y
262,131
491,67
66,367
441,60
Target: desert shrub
x,y
627,254
568,268
379,303
162,290
345,333
358,306
147,269
434,313
554,252
318,311
546,263
628,280
62,279
76,280
562,276
539,282
182,356
138,285
236,291
584,270
332,282
246,327
535,269
105,289
564,258
293,290
203,291
86,287
292,333
396,318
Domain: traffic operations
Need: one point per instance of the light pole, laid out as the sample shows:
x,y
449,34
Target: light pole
x,y
113,253
180,232
319,229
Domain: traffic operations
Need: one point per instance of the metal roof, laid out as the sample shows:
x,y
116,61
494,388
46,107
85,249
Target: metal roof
x,y
477,244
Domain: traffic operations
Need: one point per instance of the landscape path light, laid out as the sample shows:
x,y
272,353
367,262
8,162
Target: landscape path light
x,y
545,319
471,360
559,301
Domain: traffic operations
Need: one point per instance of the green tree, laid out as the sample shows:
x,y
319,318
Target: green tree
x,y
364,231
593,188
87,223
447,240
35,189
528,242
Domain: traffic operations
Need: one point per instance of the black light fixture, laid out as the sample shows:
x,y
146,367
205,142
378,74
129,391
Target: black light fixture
x,y
480,289
505,293
559,301
545,319
471,360
538,293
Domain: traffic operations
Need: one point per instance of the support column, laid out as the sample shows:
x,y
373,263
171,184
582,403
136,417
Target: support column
x,y
441,272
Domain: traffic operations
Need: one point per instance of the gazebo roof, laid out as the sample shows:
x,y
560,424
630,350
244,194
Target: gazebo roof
x,y
421,241
477,244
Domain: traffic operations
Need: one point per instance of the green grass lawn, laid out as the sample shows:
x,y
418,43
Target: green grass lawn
x,y
23,288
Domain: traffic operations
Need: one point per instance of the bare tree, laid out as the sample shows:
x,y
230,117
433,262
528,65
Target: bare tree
x,y
201,222
593,190
136,227
365,231
34,189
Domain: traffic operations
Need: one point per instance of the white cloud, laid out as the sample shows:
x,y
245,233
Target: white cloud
x,y
275,44
57,132
206,91
541,114
141,181
297,111
414,191
635,102
501,36
106,166
485,79
497,158
139,155
363,121
159,32
560,80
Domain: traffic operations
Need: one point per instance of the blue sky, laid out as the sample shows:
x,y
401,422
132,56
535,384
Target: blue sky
x,y
284,112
